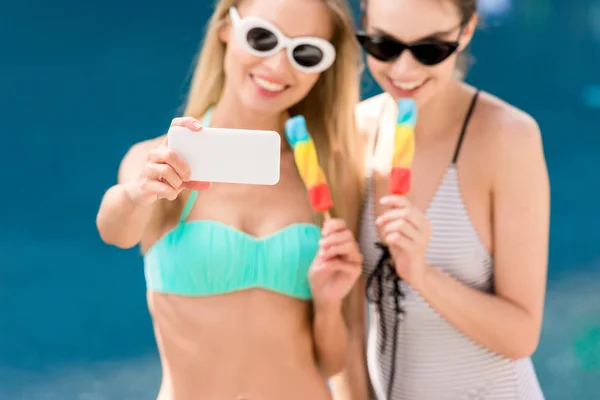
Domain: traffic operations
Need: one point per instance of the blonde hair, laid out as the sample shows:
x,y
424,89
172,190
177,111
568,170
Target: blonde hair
x,y
328,108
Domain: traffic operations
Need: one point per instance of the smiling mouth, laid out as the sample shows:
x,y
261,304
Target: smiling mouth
x,y
268,85
408,86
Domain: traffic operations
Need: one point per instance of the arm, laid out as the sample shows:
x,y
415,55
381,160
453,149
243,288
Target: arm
x,y
121,221
353,381
331,338
150,171
333,277
509,321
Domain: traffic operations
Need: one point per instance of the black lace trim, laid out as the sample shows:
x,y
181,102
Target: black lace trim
x,y
386,271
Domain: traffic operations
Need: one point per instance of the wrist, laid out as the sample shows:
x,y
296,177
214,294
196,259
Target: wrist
x,y
425,279
133,194
327,307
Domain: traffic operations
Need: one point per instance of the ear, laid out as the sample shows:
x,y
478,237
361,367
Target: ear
x,y
468,32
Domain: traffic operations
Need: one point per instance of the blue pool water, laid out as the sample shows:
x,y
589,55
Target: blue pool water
x,y
80,82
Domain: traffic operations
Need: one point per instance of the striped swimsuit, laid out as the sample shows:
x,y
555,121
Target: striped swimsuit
x,y
413,352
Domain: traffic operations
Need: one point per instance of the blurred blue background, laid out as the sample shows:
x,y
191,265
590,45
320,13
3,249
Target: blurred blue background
x,y
82,81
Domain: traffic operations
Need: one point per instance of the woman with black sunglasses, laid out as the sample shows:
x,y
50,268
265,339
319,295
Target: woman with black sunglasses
x,y
455,271
245,283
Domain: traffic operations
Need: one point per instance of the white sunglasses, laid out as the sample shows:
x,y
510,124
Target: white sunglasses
x,y
261,38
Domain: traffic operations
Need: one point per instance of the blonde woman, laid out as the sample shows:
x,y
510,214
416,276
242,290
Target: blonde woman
x,y
244,287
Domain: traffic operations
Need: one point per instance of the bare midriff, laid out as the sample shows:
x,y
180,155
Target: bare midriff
x,y
247,345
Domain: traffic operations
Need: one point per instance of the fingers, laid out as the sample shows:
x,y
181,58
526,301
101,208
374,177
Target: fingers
x,y
347,250
405,220
166,172
395,201
400,241
338,241
417,218
187,122
165,164
163,172
403,227
336,238
165,155
160,189
392,215
327,267
341,244
196,185
333,225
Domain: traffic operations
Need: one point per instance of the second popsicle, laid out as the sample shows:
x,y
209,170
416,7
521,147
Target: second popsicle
x,y
404,147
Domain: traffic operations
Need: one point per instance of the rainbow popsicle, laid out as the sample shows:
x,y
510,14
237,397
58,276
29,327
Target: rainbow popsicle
x,y
404,147
307,162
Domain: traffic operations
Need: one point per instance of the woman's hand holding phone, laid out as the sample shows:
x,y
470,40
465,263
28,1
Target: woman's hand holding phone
x,y
165,173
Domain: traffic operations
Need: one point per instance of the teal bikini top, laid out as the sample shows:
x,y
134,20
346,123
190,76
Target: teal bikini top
x,y
205,257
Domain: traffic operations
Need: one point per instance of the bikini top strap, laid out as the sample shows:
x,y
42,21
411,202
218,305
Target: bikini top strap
x,y
207,117
188,206
464,127
194,194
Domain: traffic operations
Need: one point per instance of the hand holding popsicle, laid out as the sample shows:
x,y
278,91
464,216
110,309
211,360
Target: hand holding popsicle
x,y
403,227
336,268
338,264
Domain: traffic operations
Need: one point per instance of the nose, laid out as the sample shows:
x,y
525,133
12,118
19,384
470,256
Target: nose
x,y
278,62
405,64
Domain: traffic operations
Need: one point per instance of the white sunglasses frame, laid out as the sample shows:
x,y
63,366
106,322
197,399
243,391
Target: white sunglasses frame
x,y
242,26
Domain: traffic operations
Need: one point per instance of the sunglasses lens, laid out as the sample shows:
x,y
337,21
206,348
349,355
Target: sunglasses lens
x,y
381,47
432,53
261,39
307,55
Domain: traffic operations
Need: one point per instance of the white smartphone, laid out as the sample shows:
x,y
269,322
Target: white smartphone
x,y
229,155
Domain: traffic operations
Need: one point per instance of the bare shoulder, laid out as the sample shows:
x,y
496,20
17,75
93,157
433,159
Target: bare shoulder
x,y
505,127
511,136
136,156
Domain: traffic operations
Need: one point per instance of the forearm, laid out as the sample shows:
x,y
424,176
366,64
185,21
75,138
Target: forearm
x,y
491,321
353,382
331,339
120,221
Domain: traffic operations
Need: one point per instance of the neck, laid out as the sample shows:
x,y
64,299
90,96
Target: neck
x,y
230,113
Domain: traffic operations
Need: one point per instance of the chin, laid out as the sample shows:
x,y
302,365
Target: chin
x,y
258,106
261,103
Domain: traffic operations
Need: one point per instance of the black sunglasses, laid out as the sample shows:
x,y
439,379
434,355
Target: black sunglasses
x,y
427,51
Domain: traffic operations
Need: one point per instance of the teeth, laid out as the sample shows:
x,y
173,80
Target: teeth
x,y
408,85
268,85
